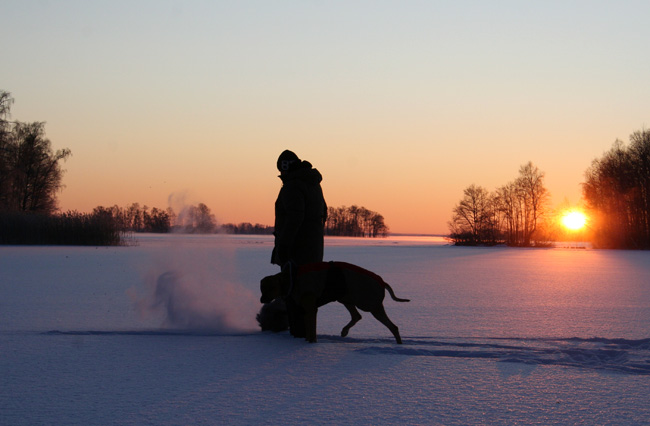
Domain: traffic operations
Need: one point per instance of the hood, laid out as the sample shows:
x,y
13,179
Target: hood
x,y
305,172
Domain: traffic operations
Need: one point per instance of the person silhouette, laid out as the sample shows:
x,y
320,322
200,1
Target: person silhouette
x,y
300,215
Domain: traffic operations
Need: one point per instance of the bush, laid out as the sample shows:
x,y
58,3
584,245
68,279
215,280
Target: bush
x,y
70,228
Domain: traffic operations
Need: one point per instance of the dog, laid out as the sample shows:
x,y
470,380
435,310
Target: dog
x,y
317,284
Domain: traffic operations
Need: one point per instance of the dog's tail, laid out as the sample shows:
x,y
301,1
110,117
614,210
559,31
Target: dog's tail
x,y
392,294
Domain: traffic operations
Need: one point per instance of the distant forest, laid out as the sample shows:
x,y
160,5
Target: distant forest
x,y
616,195
31,176
113,222
195,219
355,222
351,221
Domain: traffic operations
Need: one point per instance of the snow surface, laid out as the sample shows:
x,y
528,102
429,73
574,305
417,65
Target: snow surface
x,y
95,336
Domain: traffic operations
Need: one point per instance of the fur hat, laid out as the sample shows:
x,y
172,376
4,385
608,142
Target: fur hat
x,y
288,161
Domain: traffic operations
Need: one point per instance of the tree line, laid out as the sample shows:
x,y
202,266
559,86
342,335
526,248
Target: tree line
x,y
193,219
246,228
355,221
513,214
351,221
617,192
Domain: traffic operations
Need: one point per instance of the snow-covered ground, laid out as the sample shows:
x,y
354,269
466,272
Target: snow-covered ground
x,y
491,336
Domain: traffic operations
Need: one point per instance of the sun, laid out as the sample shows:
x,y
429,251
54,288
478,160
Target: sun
x,y
574,220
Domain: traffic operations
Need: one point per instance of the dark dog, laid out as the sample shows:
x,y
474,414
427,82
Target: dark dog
x,y
317,284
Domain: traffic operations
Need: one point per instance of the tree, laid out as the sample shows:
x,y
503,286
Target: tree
x,y
34,172
473,220
134,217
204,220
378,227
5,106
509,207
534,195
617,191
30,173
157,220
640,155
512,214
196,219
355,221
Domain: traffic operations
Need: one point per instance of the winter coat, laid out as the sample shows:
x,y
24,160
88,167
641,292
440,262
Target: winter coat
x,y
300,214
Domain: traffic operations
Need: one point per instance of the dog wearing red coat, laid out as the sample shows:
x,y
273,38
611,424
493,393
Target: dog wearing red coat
x,y
316,284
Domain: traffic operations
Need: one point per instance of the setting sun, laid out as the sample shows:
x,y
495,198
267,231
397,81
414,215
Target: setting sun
x,y
574,220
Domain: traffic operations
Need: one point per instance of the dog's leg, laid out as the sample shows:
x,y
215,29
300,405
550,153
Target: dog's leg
x,y
355,317
381,316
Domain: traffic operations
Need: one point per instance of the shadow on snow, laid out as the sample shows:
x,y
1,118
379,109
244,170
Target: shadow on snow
x,y
614,355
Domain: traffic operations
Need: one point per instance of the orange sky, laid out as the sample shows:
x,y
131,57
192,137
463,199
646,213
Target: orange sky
x,y
400,107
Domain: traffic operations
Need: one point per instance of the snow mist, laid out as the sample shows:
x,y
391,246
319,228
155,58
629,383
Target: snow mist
x,y
193,289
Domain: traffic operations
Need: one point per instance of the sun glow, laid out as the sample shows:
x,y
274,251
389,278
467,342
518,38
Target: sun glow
x,y
574,220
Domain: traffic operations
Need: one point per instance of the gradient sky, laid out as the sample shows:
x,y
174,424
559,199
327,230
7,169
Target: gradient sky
x,y
400,105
